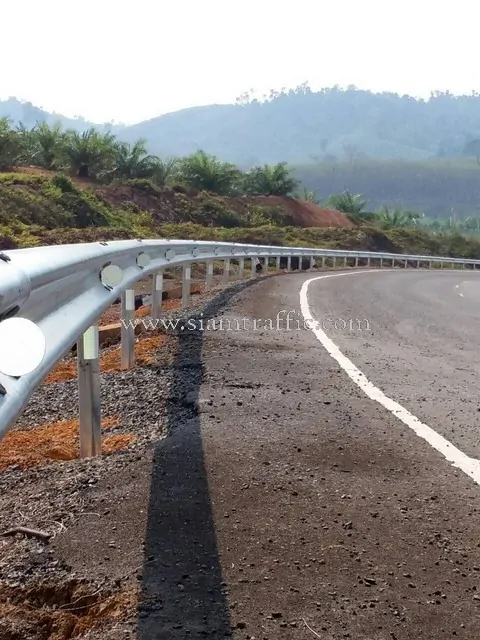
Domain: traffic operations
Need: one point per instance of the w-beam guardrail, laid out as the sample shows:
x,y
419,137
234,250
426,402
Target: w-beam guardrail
x,y
64,289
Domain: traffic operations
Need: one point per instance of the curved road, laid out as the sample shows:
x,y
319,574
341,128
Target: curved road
x,y
286,504
423,344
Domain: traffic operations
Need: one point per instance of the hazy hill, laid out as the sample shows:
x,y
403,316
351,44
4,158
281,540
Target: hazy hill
x,y
302,126
28,114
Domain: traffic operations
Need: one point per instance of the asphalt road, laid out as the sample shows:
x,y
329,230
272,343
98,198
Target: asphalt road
x,y
285,503
422,346
332,518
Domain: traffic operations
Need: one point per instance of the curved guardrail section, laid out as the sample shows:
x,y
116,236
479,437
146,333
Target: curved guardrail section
x,y
64,289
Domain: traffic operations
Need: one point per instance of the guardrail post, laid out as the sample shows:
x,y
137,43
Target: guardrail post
x,y
381,263
369,262
312,262
254,267
393,262
289,263
323,262
89,409
128,329
186,284
345,261
226,271
334,261
430,264
356,262
418,264
406,264
157,291
209,280
266,266
441,265
241,268
277,263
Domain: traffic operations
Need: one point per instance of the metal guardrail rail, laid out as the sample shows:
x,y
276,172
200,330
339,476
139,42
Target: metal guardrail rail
x,y
64,289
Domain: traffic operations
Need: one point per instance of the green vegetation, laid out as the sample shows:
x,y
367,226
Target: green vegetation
x,y
66,185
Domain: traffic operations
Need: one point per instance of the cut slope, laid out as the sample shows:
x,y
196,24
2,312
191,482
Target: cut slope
x,y
305,214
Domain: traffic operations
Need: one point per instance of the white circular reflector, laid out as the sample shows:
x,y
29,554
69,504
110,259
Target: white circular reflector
x,y
22,346
111,276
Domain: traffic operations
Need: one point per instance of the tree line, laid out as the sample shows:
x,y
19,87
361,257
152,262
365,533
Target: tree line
x,y
102,157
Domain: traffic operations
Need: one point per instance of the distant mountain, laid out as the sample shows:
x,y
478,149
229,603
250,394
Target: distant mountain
x,y
300,126
28,114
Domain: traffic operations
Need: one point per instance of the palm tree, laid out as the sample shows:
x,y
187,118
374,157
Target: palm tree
x,y
164,170
269,180
10,150
206,173
89,153
42,145
397,218
348,203
352,205
133,161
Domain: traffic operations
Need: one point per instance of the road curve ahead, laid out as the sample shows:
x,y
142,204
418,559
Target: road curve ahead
x,y
331,516
286,503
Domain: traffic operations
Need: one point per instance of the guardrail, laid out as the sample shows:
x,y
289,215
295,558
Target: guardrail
x,y
64,289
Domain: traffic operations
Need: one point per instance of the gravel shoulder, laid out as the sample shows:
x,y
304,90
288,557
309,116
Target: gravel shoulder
x,y
265,497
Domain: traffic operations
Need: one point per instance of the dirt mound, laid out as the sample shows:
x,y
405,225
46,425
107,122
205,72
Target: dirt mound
x,y
305,214
182,204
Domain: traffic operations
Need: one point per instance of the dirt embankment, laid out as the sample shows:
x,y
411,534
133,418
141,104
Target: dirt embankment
x,y
305,214
187,205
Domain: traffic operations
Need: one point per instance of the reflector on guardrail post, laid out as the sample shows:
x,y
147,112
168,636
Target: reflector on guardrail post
x,y
186,284
241,268
226,271
88,366
157,294
209,279
128,329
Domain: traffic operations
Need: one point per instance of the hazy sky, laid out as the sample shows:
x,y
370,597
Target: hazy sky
x,y
129,61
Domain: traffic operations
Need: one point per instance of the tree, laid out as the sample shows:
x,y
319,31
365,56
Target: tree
x,y
206,173
270,180
89,153
9,144
133,161
43,144
352,205
397,218
164,170
348,203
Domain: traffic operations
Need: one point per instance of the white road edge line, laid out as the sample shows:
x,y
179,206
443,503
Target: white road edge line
x,y
460,460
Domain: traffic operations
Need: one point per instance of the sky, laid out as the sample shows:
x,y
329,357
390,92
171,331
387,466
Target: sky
x,y
129,61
